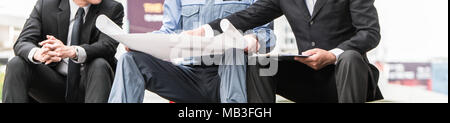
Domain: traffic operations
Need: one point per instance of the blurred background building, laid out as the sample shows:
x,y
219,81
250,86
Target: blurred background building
x,y
412,56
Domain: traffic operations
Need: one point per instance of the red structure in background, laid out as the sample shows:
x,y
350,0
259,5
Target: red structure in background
x,y
430,85
145,15
410,74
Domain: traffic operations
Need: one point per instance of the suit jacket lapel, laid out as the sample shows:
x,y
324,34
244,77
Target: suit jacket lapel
x,y
89,24
319,5
304,9
63,20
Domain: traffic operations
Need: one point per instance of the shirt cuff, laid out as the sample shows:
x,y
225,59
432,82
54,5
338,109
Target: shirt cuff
x,y
81,55
209,32
31,55
337,52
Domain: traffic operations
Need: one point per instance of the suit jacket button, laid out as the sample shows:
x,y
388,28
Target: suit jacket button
x,y
313,44
311,23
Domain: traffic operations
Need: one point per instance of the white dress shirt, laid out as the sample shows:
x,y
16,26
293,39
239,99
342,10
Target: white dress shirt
x,y
309,3
62,67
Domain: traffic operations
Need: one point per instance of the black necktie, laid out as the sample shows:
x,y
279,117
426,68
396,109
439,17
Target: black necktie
x,y
73,76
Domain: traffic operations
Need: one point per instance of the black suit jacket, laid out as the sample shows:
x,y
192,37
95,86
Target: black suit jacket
x,y
51,17
344,24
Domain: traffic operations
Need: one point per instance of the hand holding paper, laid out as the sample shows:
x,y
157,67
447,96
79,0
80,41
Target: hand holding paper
x,y
169,46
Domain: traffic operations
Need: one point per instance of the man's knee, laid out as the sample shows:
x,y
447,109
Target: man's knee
x,y
17,63
141,58
99,64
16,68
350,57
127,57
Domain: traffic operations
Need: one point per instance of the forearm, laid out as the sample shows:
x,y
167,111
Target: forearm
x,y
23,49
362,42
365,20
258,14
31,33
104,48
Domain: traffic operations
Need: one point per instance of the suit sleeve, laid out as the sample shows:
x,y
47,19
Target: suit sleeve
x,y
365,20
265,35
31,33
105,47
258,14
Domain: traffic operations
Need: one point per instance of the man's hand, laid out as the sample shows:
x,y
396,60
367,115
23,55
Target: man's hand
x,y
196,32
252,43
44,55
127,49
67,52
57,46
318,59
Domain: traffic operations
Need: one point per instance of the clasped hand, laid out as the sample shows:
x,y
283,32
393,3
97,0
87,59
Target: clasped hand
x,y
53,50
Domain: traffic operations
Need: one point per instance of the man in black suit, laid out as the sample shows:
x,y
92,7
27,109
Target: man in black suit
x,y
61,56
336,34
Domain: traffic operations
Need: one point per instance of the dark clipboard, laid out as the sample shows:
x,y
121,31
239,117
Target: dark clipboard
x,y
290,57
284,57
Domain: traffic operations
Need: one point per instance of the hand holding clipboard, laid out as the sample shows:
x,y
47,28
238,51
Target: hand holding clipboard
x,y
283,57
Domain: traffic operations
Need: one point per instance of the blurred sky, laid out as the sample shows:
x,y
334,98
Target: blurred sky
x,y
412,30
18,8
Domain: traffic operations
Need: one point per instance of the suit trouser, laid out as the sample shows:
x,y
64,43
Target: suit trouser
x,y
346,82
26,82
139,71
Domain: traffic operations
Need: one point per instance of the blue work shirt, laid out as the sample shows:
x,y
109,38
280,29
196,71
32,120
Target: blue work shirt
x,y
181,15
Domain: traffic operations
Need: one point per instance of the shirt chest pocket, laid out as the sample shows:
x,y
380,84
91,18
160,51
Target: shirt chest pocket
x,y
190,13
190,17
230,7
